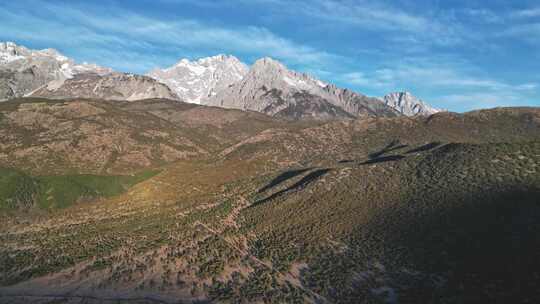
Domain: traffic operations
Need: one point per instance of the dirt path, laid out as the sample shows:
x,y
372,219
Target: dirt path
x,y
234,213
229,221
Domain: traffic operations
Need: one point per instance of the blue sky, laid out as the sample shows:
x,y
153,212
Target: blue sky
x,y
457,55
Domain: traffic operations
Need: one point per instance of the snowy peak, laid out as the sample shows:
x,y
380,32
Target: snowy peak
x,y
215,60
25,70
16,57
267,86
198,80
408,104
9,52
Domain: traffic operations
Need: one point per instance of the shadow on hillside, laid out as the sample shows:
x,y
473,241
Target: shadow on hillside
x,y
425,147
393,146
283,177
306,180
485,245
383,159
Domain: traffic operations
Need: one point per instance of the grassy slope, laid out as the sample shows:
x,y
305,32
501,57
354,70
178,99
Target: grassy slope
x,y
16,189
19,191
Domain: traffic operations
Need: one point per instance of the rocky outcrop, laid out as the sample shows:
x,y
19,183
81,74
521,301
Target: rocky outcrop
x,y
114,86
23,70
407,104
269,87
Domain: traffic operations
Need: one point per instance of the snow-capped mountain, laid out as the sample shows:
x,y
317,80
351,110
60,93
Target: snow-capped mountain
x,y
269,87
196,81
407,104
15,57
47,73
23,70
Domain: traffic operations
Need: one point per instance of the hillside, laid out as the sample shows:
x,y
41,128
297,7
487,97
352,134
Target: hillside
x,y
438,209
96,136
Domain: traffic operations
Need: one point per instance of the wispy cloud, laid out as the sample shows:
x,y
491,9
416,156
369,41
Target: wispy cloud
x,y
433,76
366,14
527,13
124,30
396,21
475,101
483,15
529,32
474,91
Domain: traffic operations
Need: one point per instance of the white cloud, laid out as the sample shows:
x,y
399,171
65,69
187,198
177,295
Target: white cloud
x,y
527,13
529,32
397,21
432,76
475,101
440,78
123,30
483,15
366,14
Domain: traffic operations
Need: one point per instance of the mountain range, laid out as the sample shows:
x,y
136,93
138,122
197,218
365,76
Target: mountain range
x,y
223,80
268,186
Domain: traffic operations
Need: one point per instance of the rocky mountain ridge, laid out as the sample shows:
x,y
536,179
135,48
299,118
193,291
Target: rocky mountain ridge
x,y
48,73
407,104
268,86
23,70
113,86
196,81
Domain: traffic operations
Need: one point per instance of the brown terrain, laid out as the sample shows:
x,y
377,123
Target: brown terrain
x,y
241,207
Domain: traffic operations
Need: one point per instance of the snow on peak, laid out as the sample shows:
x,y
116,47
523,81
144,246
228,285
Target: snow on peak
x,y
49,67
216,59
10,52
16,57
195,81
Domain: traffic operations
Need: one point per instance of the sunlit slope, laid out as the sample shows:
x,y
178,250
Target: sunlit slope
x,y
47,137
20,191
